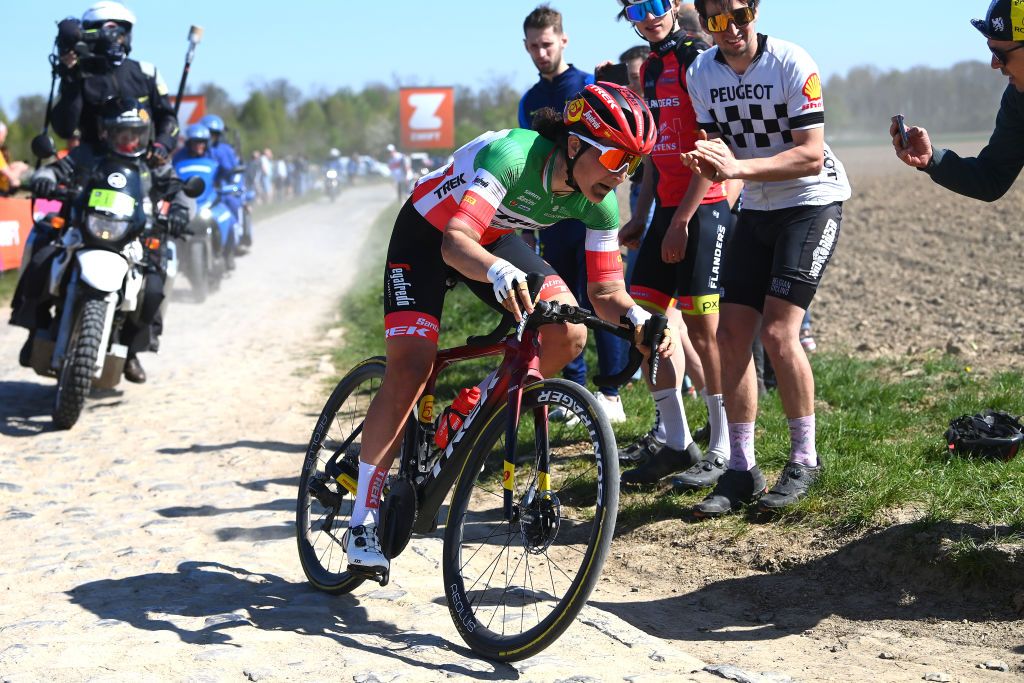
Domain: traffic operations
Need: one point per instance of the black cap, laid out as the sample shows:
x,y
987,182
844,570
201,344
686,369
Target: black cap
x,y
1003,21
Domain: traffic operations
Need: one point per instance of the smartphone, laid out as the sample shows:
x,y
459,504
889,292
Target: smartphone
x,y
904,140
614,73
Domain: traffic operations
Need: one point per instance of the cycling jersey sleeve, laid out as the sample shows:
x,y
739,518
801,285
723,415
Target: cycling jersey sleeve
x,y
700,107
804,102
498,167
604,263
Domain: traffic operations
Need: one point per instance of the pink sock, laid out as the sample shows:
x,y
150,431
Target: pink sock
x,y
741,446
801,436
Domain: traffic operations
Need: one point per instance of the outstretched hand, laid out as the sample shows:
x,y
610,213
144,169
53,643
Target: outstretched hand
x,y
918,151
711,159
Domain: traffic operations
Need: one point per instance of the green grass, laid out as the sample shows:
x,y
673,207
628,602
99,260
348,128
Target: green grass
x,y
8,281
880,424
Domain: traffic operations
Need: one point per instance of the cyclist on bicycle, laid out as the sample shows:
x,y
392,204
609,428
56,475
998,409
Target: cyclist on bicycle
x,y
460,222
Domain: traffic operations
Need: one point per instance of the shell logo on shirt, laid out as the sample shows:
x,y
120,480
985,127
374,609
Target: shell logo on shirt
x,y
812,88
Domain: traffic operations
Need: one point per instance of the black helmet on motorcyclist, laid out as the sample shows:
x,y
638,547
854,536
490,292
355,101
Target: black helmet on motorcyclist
x,y
111,24
125,127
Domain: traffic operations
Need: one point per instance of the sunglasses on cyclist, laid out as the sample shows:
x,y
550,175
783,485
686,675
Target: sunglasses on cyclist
x,y
1000,55
658,8
614,159
720,22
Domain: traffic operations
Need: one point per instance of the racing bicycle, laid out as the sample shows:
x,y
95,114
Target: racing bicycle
x,y
531,519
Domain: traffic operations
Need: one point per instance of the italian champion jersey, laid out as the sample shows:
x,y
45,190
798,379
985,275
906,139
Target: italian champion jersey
x,y
664,77
756,113
501,182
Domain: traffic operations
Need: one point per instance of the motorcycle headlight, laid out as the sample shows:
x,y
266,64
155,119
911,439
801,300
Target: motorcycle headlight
x,y
332,174
107,228
205,213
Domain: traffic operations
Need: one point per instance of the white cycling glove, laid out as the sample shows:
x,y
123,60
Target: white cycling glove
x,y
637,315
502,274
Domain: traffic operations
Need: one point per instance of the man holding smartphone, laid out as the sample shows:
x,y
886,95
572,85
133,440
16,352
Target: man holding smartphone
x,y
759,100
989,175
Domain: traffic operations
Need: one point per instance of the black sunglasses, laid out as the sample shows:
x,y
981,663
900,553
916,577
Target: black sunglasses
x,y
1000,55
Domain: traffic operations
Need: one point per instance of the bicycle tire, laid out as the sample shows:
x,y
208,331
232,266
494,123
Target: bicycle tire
x,y
321,553
477,493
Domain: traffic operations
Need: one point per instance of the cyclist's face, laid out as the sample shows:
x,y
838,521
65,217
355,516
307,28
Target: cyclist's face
x,y
594,180
735,41
545,47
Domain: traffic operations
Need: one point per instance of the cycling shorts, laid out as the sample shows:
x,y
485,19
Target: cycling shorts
x,y
416,278
696,280
781,253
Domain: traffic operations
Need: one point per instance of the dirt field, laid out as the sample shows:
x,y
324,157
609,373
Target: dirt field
x,y
918,271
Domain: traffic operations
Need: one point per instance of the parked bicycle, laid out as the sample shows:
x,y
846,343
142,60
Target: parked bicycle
x,y
533,511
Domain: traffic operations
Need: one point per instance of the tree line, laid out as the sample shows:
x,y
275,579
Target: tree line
x,y
959,99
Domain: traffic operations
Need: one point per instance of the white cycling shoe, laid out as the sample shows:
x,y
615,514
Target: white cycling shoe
x,y
365,555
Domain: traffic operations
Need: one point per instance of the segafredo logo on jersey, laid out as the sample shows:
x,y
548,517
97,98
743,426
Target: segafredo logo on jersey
x,y
812,91
487,186
399,285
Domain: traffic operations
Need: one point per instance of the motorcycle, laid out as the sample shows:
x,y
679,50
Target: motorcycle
x,y
210,250
332,184
96,278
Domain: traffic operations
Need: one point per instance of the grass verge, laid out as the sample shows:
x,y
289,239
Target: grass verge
x,y
880,425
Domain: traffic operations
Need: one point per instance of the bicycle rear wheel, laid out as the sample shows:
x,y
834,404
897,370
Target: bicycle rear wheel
x,y
325,499
514,585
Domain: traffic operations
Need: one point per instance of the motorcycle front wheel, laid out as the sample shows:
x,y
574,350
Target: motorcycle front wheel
x,y
76,374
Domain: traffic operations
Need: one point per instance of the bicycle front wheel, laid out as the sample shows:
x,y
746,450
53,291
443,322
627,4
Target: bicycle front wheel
x,y
325,498
519,566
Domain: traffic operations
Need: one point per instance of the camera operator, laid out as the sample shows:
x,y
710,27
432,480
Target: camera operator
x,y
94,66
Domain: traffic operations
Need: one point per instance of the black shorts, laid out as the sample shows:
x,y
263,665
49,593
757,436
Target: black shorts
x,y
781,253
416,278
696,280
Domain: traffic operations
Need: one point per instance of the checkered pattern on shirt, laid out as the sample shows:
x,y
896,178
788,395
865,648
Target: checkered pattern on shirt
x,y
761,126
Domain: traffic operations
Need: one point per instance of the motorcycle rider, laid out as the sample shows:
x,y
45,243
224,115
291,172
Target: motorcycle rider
x,y
225,154
197,145
89,80
124,129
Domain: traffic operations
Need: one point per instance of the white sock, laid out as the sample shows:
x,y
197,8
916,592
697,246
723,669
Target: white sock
x,y
670,407
366,508
719,443
659,425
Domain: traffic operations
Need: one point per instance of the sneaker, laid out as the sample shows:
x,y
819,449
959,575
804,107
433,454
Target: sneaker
x,y
791,487
643,448
560,414
364,552
662,463
612,407
703,435
703,475
807,340
733,490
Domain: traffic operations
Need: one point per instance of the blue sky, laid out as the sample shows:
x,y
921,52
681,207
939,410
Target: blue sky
x,y
326,44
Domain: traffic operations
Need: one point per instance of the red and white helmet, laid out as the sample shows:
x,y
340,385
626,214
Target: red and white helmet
x,y
612,113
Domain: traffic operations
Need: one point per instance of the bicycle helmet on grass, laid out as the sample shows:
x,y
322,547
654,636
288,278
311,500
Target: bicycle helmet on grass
x,y
991,434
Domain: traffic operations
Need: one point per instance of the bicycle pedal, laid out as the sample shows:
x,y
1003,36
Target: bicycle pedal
x,y
381,576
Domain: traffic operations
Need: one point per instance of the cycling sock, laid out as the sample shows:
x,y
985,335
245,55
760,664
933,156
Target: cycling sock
x,y
801,436
658,430
741,446
719,443
670,407
366,508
